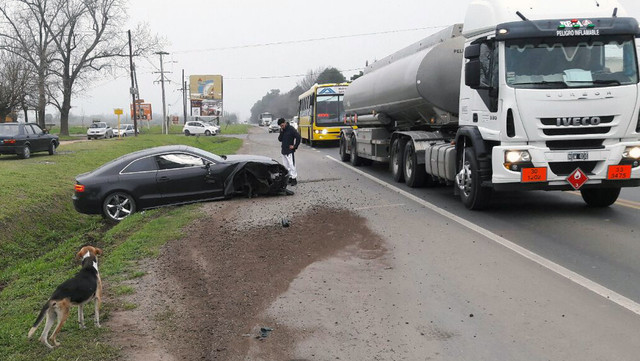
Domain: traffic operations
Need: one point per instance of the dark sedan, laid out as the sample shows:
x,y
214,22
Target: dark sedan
x,y
174,174
26,138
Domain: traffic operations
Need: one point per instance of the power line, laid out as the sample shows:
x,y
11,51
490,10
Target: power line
x,y
304,40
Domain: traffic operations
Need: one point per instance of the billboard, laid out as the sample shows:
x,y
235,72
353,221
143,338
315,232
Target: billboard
x,y
206,95
205,87
144,111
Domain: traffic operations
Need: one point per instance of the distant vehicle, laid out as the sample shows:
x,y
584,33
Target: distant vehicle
x,y
174,174
125,130
294,122
321,113
23,139
99,130
265,119
274,127
197,127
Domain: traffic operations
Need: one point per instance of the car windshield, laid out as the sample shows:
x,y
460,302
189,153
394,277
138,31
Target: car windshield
x,y
9,129
98,125
552,64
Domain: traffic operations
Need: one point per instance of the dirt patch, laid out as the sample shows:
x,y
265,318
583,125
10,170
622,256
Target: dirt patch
x,y
202,298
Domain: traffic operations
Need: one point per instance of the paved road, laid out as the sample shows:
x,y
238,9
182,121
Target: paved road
x,y
537,277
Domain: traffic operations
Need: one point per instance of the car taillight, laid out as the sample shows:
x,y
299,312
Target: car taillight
x,y
9,141
79,188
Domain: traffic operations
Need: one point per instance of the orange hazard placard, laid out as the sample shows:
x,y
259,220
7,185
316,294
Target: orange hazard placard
x,y
619,172
534,175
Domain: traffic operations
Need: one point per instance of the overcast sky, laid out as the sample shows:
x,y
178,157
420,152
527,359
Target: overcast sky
x,y
221,37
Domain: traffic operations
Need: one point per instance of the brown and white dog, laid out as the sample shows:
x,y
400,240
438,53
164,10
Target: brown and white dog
x,y
82,288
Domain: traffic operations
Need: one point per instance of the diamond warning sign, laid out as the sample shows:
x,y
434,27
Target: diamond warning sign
x,y
577,178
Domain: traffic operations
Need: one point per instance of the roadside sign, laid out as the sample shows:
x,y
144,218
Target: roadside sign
x,y
118,111
577,178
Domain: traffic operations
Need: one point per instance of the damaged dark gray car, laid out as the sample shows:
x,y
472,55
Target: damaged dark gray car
x,y
171,175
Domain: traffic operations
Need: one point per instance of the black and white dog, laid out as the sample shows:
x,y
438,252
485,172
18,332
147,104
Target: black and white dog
x,y
82,288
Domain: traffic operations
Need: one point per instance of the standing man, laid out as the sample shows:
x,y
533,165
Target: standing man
x,y
290,139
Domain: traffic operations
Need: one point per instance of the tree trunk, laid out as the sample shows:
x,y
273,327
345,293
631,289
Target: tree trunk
x,y
42,98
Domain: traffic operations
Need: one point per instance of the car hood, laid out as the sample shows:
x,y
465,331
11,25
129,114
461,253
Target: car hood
x,y
249,158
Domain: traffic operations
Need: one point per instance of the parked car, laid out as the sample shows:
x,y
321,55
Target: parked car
x,y
197,127
99,130
274,127
125,130
23,139
174,174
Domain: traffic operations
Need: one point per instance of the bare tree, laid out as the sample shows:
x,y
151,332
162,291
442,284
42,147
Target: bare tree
x,y
14,84
310,78
27,37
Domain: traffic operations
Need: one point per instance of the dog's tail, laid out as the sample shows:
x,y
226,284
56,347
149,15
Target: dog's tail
x,y
44,310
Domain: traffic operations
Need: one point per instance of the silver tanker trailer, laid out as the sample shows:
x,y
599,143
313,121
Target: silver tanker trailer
x,y
525,95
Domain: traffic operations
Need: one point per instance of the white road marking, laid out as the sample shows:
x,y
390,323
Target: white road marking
x,y
550,265
379,206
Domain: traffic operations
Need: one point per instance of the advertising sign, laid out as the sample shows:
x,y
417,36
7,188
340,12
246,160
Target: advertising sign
x,y
206,95
144,111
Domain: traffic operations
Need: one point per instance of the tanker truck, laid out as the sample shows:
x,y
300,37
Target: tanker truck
x,y
524,95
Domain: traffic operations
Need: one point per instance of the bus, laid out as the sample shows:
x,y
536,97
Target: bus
x,y
265,119
321,113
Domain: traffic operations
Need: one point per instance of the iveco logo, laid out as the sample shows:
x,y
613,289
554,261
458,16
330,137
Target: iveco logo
x,y
577,121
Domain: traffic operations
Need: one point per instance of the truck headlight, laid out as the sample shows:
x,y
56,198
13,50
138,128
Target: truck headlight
x,y
631,152
517,156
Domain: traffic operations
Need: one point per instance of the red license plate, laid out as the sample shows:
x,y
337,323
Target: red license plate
x,y
530,175
619,172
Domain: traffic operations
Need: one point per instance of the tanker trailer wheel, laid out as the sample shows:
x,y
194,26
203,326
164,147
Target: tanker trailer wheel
x,y
600,197
472,194
414,173
396,161
355,159
343,149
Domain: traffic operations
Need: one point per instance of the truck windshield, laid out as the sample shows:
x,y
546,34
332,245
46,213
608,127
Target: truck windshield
x,y
329,110
553,64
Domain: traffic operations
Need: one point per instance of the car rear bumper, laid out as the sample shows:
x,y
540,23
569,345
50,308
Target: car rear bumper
x,y
84,203
10,149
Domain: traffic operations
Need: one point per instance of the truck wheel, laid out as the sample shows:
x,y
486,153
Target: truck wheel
x,y
600,197
354,159
414,173
343,150
472,194
396,161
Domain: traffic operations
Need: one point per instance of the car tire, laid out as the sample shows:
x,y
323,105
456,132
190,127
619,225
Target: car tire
x,y
207,133
25,153
117,206
52,148
600,198
187,132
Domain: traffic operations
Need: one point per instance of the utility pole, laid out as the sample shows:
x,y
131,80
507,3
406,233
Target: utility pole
x,y
184,97
134,91
165,124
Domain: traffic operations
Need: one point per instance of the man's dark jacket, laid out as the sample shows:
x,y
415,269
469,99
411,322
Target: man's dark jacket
x,y
289,136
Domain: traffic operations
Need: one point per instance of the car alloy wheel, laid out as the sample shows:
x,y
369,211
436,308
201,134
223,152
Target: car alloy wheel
x,y
117,206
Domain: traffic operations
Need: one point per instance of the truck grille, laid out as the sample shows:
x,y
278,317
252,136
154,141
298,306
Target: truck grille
x,y
575,144
565,168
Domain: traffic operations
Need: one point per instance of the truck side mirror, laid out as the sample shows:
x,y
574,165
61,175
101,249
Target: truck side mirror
x,y
477,70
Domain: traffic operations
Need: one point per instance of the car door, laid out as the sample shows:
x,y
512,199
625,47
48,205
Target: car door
x,y
40,140
184,177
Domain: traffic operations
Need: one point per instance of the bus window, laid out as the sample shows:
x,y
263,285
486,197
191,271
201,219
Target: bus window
x,y
329,110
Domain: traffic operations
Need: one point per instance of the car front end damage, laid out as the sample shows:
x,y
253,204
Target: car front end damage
x,y
257,178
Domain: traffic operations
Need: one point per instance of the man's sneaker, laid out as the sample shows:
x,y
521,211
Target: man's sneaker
x,y
293,181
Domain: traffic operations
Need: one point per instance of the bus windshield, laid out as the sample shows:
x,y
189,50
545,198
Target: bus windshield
x,y
554,64
329,110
